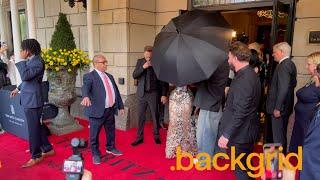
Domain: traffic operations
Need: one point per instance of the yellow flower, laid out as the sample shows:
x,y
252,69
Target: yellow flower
x,y
69,70
65,63
57,69
54,52
51,63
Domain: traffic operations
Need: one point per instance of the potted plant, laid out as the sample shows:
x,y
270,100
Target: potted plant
x,y
62,61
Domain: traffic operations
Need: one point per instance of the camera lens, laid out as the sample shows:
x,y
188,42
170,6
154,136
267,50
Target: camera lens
x,y
75,142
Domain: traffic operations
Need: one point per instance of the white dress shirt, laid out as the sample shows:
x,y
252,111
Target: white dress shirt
x,y
102,75
286,57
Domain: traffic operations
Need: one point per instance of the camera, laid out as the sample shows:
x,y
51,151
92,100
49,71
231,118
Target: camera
x,y
74,165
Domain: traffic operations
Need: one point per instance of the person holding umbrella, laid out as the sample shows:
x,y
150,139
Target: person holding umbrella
x,y
209,97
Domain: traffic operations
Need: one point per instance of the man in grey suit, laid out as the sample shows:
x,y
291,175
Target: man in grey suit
x,y
280,100
102,101
31,70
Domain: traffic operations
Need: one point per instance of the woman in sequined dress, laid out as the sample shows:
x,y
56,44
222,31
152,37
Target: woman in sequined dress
x,y
182,128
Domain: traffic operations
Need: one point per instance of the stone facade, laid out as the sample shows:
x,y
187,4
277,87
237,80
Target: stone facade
x,y
123,27
308,18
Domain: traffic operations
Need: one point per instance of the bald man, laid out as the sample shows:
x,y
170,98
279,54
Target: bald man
x,y
102,101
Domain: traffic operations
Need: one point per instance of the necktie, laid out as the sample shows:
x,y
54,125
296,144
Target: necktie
x,y
108,90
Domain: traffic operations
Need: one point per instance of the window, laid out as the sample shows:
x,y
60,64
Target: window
x,y
23,24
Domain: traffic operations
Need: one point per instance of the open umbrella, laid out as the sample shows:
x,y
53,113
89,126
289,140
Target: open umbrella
x,y
191,47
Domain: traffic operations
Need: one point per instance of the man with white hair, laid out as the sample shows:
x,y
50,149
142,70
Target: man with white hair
x,y
280,98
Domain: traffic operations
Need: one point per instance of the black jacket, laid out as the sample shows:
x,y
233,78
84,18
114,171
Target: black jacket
x,y
281,92
240,122
140,74
210,93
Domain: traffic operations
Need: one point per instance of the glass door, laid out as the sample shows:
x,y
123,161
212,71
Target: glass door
x,y
283,15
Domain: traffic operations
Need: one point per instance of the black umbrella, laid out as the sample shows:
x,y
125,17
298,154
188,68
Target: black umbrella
x,y
191,47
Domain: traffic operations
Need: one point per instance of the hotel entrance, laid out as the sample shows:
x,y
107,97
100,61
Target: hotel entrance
x,y
260,24
263,22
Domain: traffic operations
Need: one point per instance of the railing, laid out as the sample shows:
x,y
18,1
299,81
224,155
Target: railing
x,y
204,3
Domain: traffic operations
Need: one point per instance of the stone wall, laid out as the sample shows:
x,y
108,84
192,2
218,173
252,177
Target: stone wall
x,y
121,29
308,18
111,35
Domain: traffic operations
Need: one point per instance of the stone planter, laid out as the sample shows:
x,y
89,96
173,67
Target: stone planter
x,y
62,94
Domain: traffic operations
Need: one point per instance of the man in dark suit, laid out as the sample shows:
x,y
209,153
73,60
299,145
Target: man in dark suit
x,y
102,101
31,69
280,98
240,123
148,91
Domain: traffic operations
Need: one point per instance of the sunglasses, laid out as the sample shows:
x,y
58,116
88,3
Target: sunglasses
x,y
103,62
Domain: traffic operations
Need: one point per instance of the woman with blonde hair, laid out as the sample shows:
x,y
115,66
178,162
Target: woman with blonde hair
x,y
308,97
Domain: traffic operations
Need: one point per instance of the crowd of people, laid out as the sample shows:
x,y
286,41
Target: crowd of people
x,y
221,113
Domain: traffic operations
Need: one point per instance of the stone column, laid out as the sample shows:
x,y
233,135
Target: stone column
x,y
16,35
90,29
2,28
31,19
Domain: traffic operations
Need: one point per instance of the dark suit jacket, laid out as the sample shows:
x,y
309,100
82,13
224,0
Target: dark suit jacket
x,y
281,92
311,158
240,122
31,73
140,74
210,93
94,89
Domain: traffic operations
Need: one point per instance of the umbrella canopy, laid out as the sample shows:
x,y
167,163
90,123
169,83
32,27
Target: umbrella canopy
x,y
191,47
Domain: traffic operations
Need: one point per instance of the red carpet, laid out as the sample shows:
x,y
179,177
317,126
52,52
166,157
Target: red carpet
x,y
147,161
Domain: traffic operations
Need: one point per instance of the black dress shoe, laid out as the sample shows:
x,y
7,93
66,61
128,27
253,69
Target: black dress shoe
x,y
163,126
137,142
96,159
157,140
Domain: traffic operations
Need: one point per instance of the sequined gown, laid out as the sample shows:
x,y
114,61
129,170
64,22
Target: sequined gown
x,y
182,128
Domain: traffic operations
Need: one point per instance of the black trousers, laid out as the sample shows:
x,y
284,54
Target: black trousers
x,y
279,130
108,122
38,140
161,112
152,100
242,148
268,136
